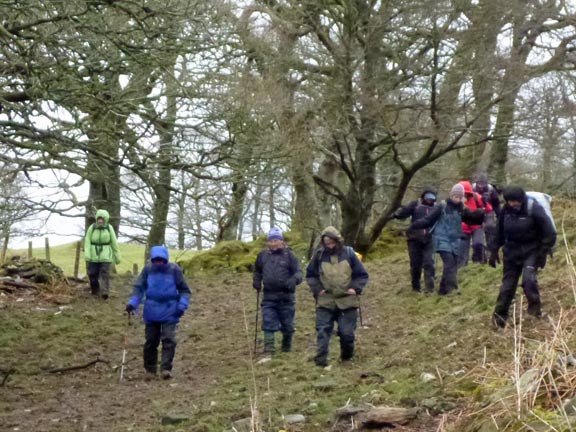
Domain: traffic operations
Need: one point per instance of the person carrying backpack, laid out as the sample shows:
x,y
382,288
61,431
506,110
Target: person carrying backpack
x,y
527,235
488,192
445,222
166,296
473,234
278,269
337,278
100,251
420,245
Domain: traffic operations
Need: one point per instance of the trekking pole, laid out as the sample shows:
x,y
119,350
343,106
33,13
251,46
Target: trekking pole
x,y
256,326
360,312
125,351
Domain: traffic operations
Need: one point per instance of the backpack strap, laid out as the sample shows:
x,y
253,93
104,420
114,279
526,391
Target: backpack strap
x,y
530,206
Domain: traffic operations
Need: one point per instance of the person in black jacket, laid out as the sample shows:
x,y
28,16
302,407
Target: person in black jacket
x,y
527,236
445,221
279,271
420,245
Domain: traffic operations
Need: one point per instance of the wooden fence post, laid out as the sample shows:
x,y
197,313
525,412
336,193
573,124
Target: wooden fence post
x,y
47,245
135,269
77,259
29,249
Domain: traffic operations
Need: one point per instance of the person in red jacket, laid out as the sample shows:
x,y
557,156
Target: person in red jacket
x,y
473,233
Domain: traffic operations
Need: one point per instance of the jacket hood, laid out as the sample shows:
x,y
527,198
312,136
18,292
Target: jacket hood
x,y
101,213
467,187
514,193
159,252
332,233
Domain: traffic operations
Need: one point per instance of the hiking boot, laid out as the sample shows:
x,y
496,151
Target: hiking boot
x,y
498,322
149,376
287,343
269,343
166,375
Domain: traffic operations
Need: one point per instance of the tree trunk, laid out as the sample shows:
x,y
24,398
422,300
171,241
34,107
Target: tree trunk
x,y
228,228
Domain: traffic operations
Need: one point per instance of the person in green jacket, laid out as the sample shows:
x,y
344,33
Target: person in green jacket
x,y
100,250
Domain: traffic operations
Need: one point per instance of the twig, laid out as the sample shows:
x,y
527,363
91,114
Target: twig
x,y
6,373
84,366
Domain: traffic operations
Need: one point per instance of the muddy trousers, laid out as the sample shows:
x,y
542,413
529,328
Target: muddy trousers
x,y
99,275
156,332
421,258
325,319
449,281
513,269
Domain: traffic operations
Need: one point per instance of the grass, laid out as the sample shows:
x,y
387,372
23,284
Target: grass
x,y
217,382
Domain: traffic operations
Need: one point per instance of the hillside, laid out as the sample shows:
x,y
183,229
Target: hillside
x,y
217,381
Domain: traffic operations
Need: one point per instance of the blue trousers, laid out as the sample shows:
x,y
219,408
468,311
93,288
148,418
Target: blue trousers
x,y
279,315
325,319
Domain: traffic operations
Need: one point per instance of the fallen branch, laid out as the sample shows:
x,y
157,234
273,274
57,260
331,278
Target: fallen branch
x,y
6,373
84,366
19,284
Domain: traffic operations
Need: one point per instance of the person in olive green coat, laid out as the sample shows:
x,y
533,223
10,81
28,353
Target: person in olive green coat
x,y
100,251
337,277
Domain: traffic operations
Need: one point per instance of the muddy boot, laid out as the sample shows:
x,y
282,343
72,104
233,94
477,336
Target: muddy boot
x,y
287,342
269,343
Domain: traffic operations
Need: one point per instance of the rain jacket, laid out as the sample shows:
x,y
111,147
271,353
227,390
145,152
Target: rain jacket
x,y
164,290
445,222
279,271
335,272
473,204
100,243
417,210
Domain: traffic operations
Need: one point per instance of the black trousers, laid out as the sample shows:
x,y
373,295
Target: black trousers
x,y
421,258
513,269
99,275
154,333
325,319
449,281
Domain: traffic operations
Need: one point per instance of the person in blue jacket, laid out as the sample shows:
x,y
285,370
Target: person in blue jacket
x,y
166,297
278,269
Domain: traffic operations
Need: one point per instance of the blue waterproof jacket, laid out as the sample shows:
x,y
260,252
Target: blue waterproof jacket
x,y
163,287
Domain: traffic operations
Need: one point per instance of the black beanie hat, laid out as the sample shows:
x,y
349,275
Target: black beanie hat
x,y
514,193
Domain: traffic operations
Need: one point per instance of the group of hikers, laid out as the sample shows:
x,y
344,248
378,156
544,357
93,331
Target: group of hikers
x,y
470,218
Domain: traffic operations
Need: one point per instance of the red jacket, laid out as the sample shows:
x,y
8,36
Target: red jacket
x,y
473,203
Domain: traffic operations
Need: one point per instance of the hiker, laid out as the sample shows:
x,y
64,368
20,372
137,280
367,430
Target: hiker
x,y
490,193
420,245
166,297
473,234
527,236
278,269
337,278
445,222
100,251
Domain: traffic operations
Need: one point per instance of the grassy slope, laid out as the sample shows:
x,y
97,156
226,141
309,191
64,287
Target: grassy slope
x,y
405,335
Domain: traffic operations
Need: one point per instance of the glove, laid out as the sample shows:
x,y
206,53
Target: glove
x,y
130,309
493,259
291,285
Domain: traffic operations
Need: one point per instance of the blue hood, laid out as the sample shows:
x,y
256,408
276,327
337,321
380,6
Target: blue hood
x,y
159,252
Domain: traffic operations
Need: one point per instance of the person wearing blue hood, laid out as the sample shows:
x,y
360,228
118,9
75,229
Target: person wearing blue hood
x,y
166,297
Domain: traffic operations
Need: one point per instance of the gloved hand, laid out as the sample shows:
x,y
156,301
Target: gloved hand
x,y
257,288
493,259
291,285
542,257
130,309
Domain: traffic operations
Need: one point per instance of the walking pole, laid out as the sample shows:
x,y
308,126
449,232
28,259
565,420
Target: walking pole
x,y
256,326
125,351
360,312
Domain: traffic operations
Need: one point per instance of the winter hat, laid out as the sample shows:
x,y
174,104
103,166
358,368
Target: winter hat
x,y
275,234
429,196
514,193
457,190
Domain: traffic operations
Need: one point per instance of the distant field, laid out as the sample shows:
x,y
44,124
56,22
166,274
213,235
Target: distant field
x,y
63,256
